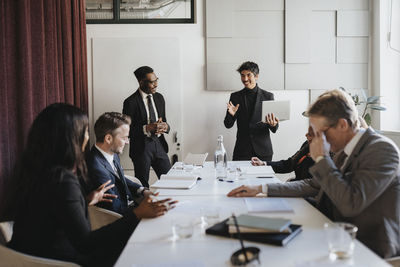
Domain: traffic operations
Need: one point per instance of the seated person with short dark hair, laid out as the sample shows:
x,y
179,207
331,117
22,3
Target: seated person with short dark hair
x,y
112,133
300,162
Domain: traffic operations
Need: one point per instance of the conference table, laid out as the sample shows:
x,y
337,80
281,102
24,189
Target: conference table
x,y
154,244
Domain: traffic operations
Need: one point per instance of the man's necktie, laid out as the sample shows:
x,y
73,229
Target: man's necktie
x,y
152,114
122,178
340,159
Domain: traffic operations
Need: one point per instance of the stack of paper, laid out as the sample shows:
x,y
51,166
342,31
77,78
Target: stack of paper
x,y
257,224
255,170
175,181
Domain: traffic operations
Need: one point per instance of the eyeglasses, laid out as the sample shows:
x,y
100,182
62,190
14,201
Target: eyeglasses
x,y
152,82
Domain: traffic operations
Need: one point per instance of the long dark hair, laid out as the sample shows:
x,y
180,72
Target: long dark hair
x,y
54,144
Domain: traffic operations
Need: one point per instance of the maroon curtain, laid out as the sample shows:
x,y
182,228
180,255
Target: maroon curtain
x,y
42,60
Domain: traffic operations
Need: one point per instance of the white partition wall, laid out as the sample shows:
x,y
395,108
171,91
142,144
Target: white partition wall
x,y
115,59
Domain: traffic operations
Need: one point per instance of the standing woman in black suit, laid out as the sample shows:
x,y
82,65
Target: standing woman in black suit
x,y
49,204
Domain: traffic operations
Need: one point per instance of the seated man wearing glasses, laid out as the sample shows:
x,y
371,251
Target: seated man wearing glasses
x,y
146,108
361,185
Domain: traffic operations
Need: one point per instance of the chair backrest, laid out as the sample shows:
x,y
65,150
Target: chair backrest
x,y
6,230
100,217
10,258
395,261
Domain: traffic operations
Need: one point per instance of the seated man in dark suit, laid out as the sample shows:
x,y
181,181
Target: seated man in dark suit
x,y
300,162
361,185
112,131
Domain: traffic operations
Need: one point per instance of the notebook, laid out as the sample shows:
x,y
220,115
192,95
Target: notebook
x,y
263,223
278,239
255,170
175,182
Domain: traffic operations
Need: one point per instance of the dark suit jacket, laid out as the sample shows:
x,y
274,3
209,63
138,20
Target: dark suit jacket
x,y
100,172
134,107
365,193
55,224
300,163
251,133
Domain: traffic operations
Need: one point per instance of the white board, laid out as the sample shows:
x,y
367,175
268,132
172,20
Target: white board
x,y
115,59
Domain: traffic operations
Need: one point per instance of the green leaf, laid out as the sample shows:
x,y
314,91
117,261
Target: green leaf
x,y
367,118
380,108
373,99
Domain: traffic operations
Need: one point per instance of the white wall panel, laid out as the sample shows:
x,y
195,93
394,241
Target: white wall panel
x,y
323,37
317,76
258,5
222,50
352,23
297,35
115,59
352,49
352,75
339,4
223,77
219,18
258,24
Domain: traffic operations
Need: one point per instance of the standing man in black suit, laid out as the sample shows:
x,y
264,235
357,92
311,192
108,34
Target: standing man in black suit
x,y
245,106
112,133
146,108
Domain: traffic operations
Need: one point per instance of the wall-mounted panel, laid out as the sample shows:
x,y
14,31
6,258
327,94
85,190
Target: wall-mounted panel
x,y
115,59
311,76
223,77
263,50
352,75
297,34
219,18
352,49
340,4
258,5
353,23
258,24
323,37
317,76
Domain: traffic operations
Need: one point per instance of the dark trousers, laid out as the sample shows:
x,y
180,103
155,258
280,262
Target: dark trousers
x,y
153,156
249,155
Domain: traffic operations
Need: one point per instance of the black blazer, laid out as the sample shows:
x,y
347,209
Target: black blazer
x,y
300,163
54,224
134,107
251,133
100,172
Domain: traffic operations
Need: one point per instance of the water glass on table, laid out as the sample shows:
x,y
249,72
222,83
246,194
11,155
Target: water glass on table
x,y
209,216
340,237
182,228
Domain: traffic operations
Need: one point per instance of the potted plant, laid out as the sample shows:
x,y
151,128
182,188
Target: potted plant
x,y
371,103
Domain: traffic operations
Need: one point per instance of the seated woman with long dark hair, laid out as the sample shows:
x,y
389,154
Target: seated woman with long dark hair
x,y
50,207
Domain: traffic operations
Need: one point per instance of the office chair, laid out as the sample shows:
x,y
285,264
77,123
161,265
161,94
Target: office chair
x,y
395,261
100,217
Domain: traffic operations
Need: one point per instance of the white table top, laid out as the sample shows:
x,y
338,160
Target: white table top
x,y
152,243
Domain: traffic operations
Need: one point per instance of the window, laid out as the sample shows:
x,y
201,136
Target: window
x,y
139,11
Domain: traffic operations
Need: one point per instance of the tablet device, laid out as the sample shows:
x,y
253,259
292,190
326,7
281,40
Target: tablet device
x,y
281,109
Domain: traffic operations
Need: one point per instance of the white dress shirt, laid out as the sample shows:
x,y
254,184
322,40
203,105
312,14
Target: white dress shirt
x,y
146,106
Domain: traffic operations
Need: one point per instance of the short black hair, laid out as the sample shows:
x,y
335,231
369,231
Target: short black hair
x,y
108,123
250,66
140,73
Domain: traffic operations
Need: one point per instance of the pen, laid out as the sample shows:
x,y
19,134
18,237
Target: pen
x,y
265,176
